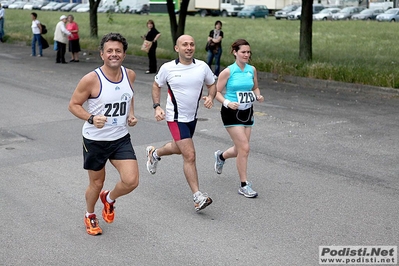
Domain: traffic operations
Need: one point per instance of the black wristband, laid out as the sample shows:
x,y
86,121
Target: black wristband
x,y
156,105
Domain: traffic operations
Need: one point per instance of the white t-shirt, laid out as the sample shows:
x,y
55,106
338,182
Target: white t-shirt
x,y
185,85
35,28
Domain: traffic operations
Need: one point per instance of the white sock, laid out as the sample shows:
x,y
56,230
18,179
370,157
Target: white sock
x,y
88,214
197,194
155,155
109,200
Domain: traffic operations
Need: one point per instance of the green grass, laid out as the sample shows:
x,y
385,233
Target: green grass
x,y
348,51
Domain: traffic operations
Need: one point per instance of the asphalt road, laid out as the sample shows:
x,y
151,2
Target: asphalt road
x,y
324,160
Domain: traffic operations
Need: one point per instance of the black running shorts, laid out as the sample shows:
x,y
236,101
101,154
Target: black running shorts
x,y
232,117
96,153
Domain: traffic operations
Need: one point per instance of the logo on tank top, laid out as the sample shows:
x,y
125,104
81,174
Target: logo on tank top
x,y
117,88
125,97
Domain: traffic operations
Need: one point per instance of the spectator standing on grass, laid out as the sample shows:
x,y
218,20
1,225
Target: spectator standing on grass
x,y
152,35
36,30
241,82
184,78
215,48
74,46
2,12
108,92
61,37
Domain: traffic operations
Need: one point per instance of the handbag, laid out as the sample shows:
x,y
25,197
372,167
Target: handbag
x,y
146,46
45,44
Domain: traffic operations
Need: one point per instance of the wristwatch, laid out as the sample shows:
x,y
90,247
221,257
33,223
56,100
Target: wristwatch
x,y
90,120
156,105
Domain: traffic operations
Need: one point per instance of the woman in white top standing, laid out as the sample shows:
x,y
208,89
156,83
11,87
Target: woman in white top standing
x,y
61,37
36,30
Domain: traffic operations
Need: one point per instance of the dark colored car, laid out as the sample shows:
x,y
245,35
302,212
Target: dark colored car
x,y
368,14
254,11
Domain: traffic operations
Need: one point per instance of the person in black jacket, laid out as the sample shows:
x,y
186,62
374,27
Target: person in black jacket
x,y
152,35
215,50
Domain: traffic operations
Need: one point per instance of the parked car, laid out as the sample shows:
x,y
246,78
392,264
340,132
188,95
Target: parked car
x,y
68,7
35,5
391,15
84,8
78,6
254,11
17,5
106,8
326,14
295,15
58,6
6,3
368,14
347,12
283,13
49,6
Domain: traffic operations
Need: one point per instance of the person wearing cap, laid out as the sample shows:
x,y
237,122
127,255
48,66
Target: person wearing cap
x,y
61,37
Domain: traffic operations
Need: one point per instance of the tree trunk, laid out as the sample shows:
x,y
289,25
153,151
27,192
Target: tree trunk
x,y
305,38
177,29
93,18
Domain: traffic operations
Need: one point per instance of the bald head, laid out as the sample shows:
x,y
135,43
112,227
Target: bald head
x,y
184,38
185,47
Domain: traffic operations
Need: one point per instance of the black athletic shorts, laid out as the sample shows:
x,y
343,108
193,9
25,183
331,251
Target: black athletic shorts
x,y
96,153
232,117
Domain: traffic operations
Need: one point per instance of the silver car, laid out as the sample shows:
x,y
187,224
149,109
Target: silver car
x,y
347,12
326,14
391,15
283,13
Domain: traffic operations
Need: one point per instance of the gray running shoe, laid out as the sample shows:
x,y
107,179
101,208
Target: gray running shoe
x,y
218,163
151,161
247,191
202,201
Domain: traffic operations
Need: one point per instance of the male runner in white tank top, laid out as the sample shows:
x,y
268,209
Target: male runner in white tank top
x,y
108,92
184,78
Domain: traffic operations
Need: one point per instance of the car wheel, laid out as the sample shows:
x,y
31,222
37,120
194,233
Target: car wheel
x,y
265,16
393,20
324,18
278,18
224,14
203,13
253,17
368,19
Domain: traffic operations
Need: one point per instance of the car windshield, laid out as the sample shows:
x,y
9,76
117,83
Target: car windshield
x,y
325,11
367,11
248,8
346,10
391,11
287,8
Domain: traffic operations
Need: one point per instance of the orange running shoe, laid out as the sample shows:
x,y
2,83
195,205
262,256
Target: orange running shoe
x,y
108,210
92,227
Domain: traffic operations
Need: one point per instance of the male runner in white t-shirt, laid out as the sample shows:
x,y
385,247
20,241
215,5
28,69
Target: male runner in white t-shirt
x,y
184,79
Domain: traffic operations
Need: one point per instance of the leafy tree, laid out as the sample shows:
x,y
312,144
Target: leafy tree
x,y
305,37
177,28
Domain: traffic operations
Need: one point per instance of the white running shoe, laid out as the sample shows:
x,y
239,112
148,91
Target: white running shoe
x,y
247,191
218,162
202,201
151,161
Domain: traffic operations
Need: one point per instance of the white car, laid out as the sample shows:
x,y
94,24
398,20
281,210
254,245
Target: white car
x,y
17,5
35,5
49,6
85,8
326,14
